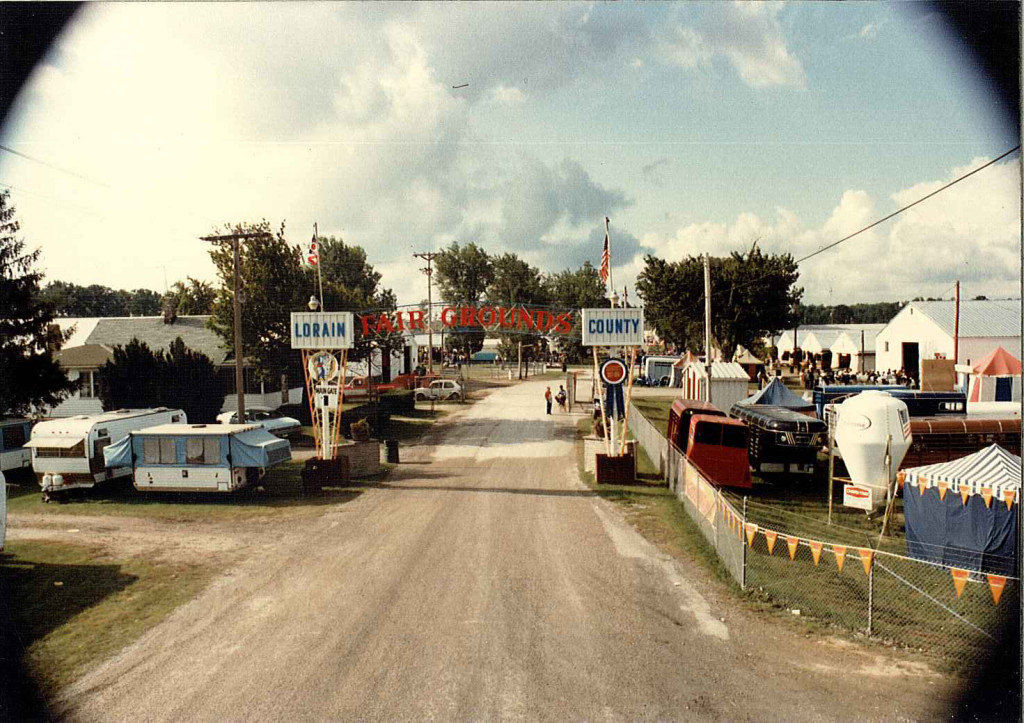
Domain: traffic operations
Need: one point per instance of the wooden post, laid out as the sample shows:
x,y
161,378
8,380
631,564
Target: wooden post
x,y
956,326
831,465
341,402
604,418
309,400
707,325
629,395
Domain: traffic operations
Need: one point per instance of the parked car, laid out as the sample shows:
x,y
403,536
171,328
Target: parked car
x,y
405,381
270,419
441,390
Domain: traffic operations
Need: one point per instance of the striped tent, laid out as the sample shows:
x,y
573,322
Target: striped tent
x,y
990,472
962,513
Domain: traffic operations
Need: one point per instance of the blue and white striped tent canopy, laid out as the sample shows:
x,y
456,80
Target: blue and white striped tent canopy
x,y
993,468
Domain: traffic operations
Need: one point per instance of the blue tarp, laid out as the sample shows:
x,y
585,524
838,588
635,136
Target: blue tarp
x,y
779,395
485,356
258,448
118,454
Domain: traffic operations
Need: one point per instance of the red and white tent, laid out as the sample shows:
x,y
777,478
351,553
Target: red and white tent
x,y
996,378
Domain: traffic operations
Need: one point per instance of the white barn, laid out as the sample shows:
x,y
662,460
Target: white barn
x,y
924,330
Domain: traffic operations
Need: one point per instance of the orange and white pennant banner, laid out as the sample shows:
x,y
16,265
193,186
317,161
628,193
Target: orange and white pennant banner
x,y
751,532
959,579
866,556
770,536
943,488
1008,498
791,543
815,550
986,494
922,485
840,553
965,493
996,583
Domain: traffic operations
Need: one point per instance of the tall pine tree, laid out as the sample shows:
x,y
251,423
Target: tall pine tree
x,y
29,375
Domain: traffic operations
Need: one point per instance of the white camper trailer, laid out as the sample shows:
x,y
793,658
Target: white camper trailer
x,y
197,457
14,433
67,453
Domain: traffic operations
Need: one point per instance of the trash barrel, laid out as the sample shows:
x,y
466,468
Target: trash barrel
x,y
392,450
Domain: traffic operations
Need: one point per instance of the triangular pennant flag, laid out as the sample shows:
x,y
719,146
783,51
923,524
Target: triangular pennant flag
x,y
791,543
770,537
815,550
996,583
866,556
840,556
751,532
959,579
1008,498
922,485
986,494
965,493
739,529
943,488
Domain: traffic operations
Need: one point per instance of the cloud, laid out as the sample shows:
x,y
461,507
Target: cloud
x,y
650,171
970,232
748,35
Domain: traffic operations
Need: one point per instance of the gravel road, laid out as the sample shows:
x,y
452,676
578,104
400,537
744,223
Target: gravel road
x,y
484,582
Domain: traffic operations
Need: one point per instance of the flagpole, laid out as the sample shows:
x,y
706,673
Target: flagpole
x,y
319,280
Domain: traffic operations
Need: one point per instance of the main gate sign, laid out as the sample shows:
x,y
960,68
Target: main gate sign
x,y
613,327
322,330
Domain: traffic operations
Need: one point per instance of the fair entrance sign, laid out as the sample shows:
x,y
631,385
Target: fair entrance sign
x,y
320,336
614,328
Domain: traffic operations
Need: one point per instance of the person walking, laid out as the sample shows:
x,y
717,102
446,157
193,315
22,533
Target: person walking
x,y
547,399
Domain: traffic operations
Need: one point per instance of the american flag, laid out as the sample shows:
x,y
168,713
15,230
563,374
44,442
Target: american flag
x,y
606,255
312,257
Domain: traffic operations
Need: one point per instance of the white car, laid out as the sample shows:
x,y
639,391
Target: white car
x,y
441,390
270,419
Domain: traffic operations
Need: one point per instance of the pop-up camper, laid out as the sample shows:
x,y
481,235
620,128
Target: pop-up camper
x,y
68,453
197,457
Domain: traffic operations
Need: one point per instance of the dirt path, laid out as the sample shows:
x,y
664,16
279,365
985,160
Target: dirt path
x,y
483,581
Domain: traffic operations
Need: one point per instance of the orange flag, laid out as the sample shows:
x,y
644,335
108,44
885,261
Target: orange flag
x,y
959,579
922,485
791,543
840,556
866,556
770,536
1008,498
996,583
943,488
815,550
965,492
986,494
751,532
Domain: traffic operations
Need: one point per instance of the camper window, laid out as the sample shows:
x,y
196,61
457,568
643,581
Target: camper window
x,y
707,433
77,451
194,450
734,436
167,453
159,451
211,450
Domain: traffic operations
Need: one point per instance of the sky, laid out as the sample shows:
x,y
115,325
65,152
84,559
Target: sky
x,y
695,127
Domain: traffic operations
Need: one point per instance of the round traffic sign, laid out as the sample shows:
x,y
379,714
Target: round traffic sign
x,y
614,371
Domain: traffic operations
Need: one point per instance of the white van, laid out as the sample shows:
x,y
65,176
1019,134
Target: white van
x,y
14,433
67,453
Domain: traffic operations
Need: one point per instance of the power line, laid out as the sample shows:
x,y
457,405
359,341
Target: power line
x,y
52,166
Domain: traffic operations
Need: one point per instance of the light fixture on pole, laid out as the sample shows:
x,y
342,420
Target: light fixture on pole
x,y
314,303
614,299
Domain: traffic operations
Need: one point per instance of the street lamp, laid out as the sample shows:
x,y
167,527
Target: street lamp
x,y
314,303
614,299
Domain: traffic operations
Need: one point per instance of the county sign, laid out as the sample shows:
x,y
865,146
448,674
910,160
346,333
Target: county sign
x,y
322,330
613,327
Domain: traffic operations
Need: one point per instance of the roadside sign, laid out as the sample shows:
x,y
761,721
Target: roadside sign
x,y
613,327
859,497
614,371
322,330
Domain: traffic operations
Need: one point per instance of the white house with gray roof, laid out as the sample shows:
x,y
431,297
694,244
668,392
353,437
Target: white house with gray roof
x,y
924,330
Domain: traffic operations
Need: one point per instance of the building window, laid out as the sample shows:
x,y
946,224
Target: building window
x,y
87,384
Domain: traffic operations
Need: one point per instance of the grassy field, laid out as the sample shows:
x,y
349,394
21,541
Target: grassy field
x,y
73,606
281,494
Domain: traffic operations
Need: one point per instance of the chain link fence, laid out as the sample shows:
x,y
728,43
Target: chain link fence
x,y
840,576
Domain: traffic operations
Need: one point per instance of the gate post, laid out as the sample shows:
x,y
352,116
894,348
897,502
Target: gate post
x,y
743,569
871,594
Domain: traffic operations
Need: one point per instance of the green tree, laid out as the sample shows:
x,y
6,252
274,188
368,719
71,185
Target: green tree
x,y
29,375
462,275
192,297
144,302
752,296
191,384
273,285
72,300
133,378
571,291
517,283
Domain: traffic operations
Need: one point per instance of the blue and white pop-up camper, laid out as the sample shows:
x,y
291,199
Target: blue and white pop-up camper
x,y
964,513
198,457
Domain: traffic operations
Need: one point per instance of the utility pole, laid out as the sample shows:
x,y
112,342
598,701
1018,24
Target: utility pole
x,y
956,326
235,240
429,257
707,324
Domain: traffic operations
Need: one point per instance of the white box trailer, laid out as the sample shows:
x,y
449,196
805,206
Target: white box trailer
x,y
14,433
197,457
67,453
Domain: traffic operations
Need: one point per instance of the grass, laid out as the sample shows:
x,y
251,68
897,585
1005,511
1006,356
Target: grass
x,y
74,606
411,426
281,494
656,410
